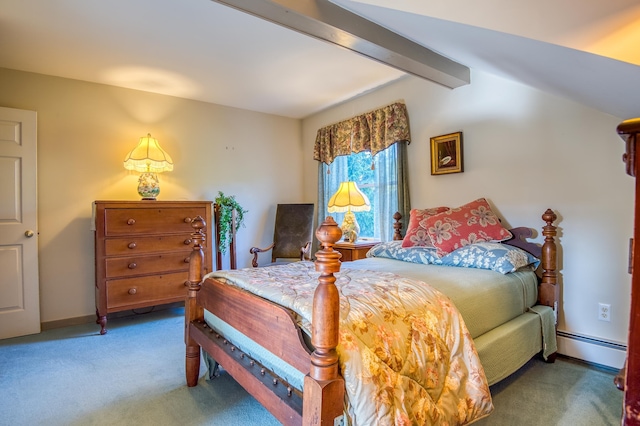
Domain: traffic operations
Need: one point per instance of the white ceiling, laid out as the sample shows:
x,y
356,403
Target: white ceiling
x,y
585,50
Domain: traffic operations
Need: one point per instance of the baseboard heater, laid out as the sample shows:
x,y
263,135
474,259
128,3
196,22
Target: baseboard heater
x,y
592,349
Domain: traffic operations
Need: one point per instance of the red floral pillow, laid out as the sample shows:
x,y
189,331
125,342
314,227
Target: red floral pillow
x,y
471,223
417,235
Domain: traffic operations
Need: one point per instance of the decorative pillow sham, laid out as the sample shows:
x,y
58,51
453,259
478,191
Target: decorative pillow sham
x,y
394,250
498,257
417,235
458,227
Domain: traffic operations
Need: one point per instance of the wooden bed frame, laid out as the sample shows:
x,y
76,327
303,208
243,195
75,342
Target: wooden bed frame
x,y
274,327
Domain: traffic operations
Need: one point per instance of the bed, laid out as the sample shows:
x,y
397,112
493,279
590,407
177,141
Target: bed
x,y
283,348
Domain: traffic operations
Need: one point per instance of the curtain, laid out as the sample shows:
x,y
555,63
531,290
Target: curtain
x,y
373,131
393,194
404,202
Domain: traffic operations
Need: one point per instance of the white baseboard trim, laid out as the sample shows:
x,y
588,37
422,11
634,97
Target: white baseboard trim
x,y
592,349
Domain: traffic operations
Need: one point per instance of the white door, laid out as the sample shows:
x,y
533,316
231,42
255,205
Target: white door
x,y
19,287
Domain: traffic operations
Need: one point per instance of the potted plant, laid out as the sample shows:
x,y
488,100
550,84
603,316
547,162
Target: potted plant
x,y
226,206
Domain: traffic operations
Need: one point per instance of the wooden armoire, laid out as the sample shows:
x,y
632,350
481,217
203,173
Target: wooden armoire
x,y
629,131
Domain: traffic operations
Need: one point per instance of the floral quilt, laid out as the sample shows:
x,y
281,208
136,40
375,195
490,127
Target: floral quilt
x,y
405,352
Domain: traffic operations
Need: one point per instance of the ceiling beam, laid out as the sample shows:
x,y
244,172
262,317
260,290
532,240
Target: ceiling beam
x,y
326,21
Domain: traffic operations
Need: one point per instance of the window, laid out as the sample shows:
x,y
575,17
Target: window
x,y
379,183
383,132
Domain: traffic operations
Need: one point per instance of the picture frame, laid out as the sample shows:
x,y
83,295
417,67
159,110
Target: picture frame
x,y
446,154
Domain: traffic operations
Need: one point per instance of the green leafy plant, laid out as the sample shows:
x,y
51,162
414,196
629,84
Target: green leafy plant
x,y
226,205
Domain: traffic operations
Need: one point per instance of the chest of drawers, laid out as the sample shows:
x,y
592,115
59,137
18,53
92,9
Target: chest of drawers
x,y
142,252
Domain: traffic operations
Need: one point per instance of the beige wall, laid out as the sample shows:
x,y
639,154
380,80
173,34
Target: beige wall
x,y
525,151
86,129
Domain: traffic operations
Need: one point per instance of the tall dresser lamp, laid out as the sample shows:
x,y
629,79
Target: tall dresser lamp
x,y
348,198
149,159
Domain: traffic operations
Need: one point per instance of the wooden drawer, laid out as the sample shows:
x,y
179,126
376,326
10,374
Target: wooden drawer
x,y
354,251
148,221
135,244
151,264
141,291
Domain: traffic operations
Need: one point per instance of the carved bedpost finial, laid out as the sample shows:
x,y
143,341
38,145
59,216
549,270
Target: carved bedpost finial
x,y
328,233
397,225
549,217
196,259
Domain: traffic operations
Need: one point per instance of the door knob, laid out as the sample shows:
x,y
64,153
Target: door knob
x,y
29,233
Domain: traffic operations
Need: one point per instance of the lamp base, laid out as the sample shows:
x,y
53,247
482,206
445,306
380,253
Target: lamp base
x,y
350,227
148,186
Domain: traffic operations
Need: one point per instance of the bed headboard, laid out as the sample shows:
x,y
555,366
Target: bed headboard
x,y
520,234
519,240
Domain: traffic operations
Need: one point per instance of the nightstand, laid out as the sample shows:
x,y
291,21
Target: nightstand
x,y
354,251
142,253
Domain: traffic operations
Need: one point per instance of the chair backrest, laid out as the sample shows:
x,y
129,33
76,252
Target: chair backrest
x,y
293,229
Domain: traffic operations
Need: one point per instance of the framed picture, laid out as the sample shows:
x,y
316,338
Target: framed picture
x,y
446,154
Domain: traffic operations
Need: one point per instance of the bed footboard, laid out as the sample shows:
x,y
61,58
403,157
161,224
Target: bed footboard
x,y
274,328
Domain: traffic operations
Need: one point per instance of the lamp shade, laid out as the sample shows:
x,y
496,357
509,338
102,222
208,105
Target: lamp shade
x,y
147,156
348,197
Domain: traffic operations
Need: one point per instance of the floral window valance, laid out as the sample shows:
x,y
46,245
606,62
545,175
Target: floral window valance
x,y
374,131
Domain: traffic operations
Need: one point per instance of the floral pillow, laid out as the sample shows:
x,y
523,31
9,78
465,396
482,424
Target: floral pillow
x,y
471,223
498,257
394,250
417,235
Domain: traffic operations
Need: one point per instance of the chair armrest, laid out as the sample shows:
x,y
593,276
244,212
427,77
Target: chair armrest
x,y
305,252
255,250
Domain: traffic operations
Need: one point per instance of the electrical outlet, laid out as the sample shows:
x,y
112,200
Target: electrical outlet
x,y
604,312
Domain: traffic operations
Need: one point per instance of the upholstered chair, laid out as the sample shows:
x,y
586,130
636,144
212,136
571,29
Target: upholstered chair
x,y
292,235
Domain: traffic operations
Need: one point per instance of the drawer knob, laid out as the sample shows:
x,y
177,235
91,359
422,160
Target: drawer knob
x,y
131,222
188,220
188,241
133,265
132,291
132,245
187,259
186,283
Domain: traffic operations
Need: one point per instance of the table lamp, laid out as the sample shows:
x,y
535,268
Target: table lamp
x,y
348,198
148,158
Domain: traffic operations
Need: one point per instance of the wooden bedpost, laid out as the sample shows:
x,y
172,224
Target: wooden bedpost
x,y
216,241
193,312
324,387
549,293
397,226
